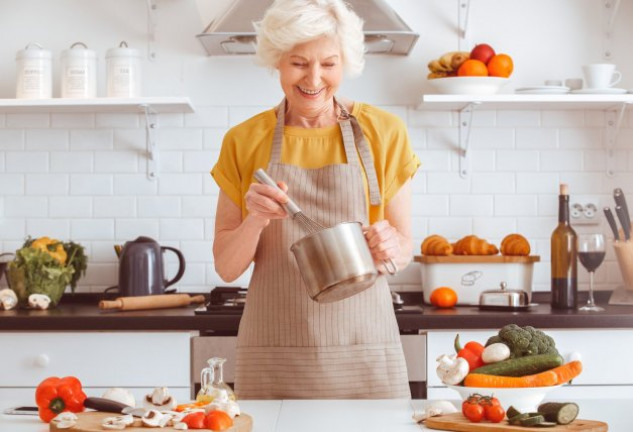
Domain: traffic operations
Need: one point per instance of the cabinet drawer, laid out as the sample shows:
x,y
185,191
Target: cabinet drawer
x,y
98,359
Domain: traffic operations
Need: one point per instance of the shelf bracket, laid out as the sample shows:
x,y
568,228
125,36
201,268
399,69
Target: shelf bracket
x,y
463,12
614,121
609,14
465,122
151,29
151,124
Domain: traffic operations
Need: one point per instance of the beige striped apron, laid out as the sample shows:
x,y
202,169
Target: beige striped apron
x,y
291,347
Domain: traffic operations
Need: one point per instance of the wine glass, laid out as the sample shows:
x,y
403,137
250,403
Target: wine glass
x,y
591,251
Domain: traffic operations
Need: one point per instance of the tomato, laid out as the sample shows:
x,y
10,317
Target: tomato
x,y
217,420
494,413
473,412
194,420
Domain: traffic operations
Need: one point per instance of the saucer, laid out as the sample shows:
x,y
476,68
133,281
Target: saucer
x,y
543,90
609,90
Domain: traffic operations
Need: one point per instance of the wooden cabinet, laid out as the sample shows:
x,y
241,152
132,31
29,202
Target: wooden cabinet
x,y
605,355
138,361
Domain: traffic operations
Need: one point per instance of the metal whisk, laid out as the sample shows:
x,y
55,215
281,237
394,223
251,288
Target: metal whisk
x,y
309,225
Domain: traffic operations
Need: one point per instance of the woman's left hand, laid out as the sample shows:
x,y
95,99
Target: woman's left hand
x,y
383,241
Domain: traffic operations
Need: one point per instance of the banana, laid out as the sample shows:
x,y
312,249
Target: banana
x,y
447,64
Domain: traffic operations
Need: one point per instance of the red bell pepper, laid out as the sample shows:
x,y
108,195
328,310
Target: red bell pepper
x,y
471,353
55,395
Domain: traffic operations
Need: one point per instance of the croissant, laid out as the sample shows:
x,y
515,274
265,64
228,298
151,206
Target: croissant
x,y
436,245
515,244
473,245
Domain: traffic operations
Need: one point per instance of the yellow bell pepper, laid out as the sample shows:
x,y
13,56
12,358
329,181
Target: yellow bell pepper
x,y
52,247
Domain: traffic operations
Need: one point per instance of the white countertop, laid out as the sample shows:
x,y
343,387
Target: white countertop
x,y
349,415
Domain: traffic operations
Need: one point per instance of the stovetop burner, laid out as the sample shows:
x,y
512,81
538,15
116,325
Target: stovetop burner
x,y
224,300
231,300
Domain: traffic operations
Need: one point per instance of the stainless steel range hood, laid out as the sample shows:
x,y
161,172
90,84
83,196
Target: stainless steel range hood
x,y
233,32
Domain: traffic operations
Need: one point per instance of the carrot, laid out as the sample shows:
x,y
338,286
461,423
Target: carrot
x,y
541,379
568,371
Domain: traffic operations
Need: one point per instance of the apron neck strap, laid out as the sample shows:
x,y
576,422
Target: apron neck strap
x,y
353,139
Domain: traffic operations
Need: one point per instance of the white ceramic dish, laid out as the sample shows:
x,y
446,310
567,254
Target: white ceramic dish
x,y
543,90
526,399
609,90
469,85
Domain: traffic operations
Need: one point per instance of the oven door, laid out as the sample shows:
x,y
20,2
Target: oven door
x,y
205,347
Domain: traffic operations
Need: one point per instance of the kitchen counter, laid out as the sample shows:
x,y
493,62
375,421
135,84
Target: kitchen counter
x,y
349,415
84,315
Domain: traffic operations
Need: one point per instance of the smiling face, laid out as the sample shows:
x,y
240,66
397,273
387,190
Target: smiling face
x,y
310,74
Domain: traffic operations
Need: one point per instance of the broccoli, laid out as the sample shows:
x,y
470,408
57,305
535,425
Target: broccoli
x,y
524,341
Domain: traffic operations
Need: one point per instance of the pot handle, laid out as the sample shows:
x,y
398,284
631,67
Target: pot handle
x,y
390,266
181,268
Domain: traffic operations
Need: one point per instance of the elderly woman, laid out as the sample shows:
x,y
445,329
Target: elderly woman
x,y
340,161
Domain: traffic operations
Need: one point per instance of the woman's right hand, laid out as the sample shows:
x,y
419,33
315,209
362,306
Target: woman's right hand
x,y
264,202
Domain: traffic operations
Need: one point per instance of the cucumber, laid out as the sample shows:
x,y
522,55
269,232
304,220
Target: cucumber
x,y
516,419
560,412
546,424
521,366
532,420
512,411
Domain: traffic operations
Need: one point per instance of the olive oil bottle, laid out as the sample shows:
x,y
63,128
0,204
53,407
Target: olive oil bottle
x,y
564,257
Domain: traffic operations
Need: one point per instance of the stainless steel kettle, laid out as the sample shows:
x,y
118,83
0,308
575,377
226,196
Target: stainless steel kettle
x,y
141,268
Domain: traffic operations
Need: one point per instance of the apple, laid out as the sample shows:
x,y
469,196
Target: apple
x,y
482,52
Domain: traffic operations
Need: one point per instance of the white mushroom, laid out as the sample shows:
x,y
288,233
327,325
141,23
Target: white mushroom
x,y
181,426
39,301
160,399
153,418
174,417
120,395
8,299
65,420
230,407
113,423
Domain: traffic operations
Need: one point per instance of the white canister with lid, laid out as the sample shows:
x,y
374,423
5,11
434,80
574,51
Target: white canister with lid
x,y
79,72
123,71
34,73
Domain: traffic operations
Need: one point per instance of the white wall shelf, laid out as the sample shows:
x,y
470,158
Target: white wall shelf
x,y
159,105
599,102
614,107
150,107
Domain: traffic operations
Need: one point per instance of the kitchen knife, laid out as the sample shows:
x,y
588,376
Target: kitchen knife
x,y
111,406
614,227
620,200
626,224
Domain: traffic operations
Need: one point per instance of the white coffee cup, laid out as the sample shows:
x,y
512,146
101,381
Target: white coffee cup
x,y
601,75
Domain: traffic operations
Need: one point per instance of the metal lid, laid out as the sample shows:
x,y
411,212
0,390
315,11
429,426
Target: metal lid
x,y
504,297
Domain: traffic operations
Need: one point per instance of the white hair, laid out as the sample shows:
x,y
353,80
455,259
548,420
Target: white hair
x,y
290,22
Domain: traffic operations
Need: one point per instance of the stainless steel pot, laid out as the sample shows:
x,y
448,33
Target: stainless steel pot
x,y
335,263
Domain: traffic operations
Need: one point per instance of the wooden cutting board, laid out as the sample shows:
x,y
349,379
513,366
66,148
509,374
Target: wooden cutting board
x,y
91,422
457,422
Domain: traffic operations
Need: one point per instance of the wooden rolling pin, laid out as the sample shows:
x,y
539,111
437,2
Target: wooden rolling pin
x,y
159,301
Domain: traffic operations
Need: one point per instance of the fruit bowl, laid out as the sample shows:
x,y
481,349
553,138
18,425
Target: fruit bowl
x,y
525,399
475,85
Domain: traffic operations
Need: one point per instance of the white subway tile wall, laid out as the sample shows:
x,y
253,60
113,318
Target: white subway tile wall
x,y
82,177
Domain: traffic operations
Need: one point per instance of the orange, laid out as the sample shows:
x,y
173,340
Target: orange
x,y
500,65
218,420
473,67
443,297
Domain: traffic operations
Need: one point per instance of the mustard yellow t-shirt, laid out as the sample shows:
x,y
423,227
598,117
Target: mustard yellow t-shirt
x,y
247,147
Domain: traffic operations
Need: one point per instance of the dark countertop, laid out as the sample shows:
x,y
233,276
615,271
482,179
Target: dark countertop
x,y
83,315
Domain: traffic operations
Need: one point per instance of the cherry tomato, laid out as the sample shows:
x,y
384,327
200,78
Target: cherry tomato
x,y
494,413
473,412
194,420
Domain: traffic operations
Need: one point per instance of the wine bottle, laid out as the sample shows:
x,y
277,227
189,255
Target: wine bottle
x,y
564,256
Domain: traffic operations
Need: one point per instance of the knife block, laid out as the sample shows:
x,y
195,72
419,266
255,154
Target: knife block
x,y
624,254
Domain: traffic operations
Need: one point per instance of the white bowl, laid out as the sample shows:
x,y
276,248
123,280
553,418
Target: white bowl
x,y
469,85
525,399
